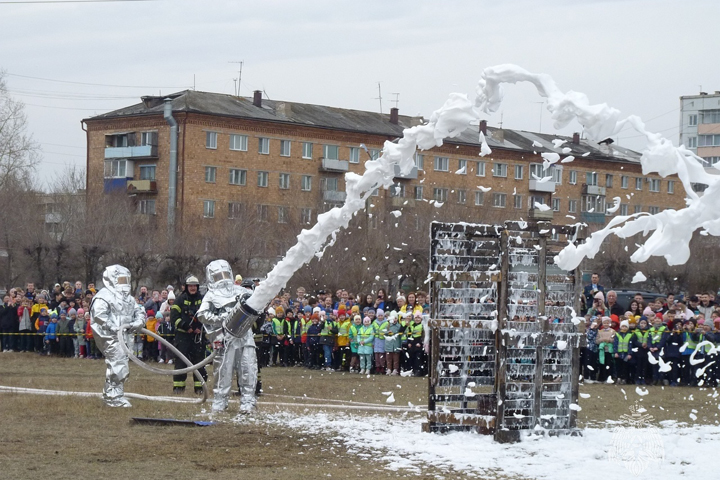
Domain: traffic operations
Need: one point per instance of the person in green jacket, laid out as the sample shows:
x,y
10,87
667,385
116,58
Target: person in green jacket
x,y
366,335
393,332
354,343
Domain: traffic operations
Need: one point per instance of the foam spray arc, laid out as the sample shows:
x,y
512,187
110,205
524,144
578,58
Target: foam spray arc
x,y
449,121
599,122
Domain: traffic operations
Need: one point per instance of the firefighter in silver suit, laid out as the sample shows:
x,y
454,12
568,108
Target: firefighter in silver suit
x,y
233,354
110,309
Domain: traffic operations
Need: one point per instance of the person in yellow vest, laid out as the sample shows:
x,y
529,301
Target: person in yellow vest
x,y
380,325
327,339
624,359
659,334
278,354
366,335
415,345
342,353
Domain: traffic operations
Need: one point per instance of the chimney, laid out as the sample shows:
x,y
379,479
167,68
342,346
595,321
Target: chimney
x,y
483,127
394,112
576,138
257,98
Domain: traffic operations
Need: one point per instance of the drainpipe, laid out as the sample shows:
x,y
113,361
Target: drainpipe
x,y
172,177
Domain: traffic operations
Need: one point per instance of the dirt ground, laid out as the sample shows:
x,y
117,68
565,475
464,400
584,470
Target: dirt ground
x,y
66,437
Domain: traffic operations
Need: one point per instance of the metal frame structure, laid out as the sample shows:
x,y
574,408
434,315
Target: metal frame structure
x,y
504,350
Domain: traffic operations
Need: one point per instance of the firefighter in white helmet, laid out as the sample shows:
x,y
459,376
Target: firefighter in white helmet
x,y
233,353
110,310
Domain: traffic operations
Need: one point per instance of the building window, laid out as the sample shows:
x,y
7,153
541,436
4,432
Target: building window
x,y
537,170
210,174
397,190
442,164
573,177
654,210
307,150
479,198
209,208
593,204
637,209
692,120
263,179
711,161
654,185
708,141
623,209
376,192
116,168
418,192
306,183
262,213
499,200
284,181
238,176
235,210
462,196
572,206
331,152
374,153
638,183
211,140
517,201
284,148
354,155
692,142
330,184
147,172
671,186
500,170
710,116
420,161
146,207
440,194
462,167
624,181
480,169
283,213
239,143
306,216
518,172
556,173
148,138
591,178
608,180
263,145
556,204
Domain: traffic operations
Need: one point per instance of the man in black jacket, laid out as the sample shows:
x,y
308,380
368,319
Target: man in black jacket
x,y
189,336
8,323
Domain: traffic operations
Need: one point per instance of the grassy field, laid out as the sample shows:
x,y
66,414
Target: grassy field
x,y
63,437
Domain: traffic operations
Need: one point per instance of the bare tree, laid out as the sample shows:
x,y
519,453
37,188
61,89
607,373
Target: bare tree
x,y
19,153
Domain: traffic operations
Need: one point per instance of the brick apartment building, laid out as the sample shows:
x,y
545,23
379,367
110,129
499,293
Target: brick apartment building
x,y
284,162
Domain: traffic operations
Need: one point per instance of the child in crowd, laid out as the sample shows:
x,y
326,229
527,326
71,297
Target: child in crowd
x,y
640,346
342,344
590,353
354,343
79,329
366,336
90,347
150,350
26,325
63,330
266,329
380,326
658,337
690,340
393,333
606,347
672,355
51,338
313,341
41,323
623,355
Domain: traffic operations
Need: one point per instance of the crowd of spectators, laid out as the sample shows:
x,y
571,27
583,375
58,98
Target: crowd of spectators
x,y
666,340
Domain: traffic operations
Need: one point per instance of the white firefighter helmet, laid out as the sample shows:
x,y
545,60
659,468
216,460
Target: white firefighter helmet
x,y
117,279
219,276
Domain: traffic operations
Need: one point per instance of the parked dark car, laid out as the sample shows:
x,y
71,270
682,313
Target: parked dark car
x,y
625,296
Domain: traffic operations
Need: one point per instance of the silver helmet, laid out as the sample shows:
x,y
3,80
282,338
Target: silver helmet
x,y
117,279
219,277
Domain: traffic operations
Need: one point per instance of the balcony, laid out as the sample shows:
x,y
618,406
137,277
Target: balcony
x,y
141,186
412,175
334,196
545,187
597,218
537,214
330,165
139,151
593,190
402,202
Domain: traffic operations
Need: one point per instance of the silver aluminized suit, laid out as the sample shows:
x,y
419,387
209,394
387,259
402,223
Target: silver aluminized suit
x,y
111,308
233,354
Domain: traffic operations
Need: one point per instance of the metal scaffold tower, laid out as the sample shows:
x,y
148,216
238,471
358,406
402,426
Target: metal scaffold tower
x,y
504,349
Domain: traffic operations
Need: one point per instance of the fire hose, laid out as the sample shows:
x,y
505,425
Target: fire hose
x,y
239,321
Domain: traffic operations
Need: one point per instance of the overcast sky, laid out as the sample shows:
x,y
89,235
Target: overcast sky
x,y
638,56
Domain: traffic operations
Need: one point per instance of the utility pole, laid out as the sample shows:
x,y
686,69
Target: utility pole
x,y
239,79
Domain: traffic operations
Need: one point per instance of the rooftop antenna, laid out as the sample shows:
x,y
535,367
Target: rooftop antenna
x,y
501,119
397,99
239,79
193,81
379,97
541,112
